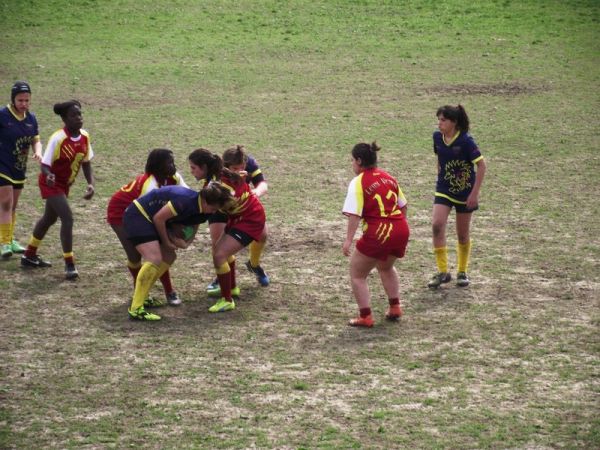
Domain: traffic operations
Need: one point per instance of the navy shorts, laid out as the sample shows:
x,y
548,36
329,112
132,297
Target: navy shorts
x,y
460,208
138,229
5,182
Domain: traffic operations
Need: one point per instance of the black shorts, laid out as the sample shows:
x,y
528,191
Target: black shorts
x,y
241,236
460,208
217,217
5,182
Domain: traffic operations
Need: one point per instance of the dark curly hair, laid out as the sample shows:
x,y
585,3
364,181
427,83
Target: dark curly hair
x,y
63,108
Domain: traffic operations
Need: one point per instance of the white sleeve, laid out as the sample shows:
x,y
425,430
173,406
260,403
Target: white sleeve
x,y
149,185
353,205
180,181
54,140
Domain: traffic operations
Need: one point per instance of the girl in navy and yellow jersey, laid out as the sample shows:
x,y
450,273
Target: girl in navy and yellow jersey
x,y
18,133
145,224
68,150
160,171
375,199
458,186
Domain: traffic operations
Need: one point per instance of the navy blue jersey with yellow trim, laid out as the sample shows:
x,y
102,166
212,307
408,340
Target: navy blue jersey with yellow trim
x,y
183,202
457,161
255,175
16,137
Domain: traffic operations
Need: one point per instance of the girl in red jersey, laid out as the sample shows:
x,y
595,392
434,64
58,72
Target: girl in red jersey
x,y
374,198
246,222
160,171
247,167
67,151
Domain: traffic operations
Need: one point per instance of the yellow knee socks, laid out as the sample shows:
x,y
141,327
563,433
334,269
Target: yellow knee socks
x,y
463,253
441,258
146,278
256,249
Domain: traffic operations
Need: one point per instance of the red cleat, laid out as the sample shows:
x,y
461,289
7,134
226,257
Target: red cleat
x,y
393,313
362,322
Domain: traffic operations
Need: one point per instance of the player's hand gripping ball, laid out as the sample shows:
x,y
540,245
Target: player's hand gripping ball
x,y
181,235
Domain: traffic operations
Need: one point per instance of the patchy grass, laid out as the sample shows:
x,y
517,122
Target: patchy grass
x,y
510,362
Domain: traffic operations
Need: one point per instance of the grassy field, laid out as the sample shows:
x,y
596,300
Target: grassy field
x,y
510,362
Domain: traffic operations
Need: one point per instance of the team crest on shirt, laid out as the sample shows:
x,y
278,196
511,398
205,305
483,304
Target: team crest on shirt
x,y
458,175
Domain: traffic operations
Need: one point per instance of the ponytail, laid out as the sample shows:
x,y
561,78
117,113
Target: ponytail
x,y
367,153
456,114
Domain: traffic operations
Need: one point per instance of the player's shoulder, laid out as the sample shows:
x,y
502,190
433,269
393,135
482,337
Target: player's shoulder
x,y
251,164
58,135
31,116
4,116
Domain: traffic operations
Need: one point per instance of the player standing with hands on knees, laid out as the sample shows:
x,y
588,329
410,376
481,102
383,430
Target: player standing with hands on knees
x,y
18,133
67,151
458,186
375,199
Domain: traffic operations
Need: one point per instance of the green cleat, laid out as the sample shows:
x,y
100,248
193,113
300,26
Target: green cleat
x,y
152,302
16,247
222,305
142,314
6,251
216,291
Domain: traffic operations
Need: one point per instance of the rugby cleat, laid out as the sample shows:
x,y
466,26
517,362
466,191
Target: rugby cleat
x,y
16,247
222,305
438,279
173,299
71,272
394,312
366,322
6,251
34,261
152,302
142,314
216,292
462,279
261,276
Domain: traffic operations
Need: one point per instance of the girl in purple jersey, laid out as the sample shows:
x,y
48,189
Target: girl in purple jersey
x,y
458,186
18,133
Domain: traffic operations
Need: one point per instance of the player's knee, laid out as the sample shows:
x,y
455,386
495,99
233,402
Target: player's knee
x,y
438,228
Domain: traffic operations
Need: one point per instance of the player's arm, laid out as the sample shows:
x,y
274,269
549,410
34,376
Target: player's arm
x,y
37,149
160,222
259,184
402,202
88,173
47,160
473,198
260,189
353,222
